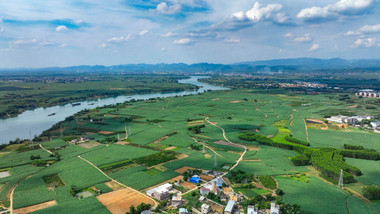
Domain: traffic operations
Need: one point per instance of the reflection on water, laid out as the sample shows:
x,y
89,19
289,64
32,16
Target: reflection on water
x,y
34,122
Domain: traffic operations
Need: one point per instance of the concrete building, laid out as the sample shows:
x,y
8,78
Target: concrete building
x,y
274,209
375,125
161,192
342,119
359,118
204,190
183,211
176,201
229,207
205,208
251,209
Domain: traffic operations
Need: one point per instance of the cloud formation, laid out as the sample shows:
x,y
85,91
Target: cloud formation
x,y
333,11
164,8
61,28
183,41
366,42
143,32
303,38
366,29
314,47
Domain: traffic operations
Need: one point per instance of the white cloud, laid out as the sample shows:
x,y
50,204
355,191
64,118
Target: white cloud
x,y
303,38
232,40
2,29
163,49
24,42
258,13
366,42
366,29
314,47
342,7
120,39
103,45
63,45
143,32
61,28
288,35
183,41
281,18
163,8
169,34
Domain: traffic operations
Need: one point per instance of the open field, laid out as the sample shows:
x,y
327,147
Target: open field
x,y
118,202
159,124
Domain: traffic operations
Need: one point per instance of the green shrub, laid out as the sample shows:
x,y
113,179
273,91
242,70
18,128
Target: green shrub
x,y
268,182
371,192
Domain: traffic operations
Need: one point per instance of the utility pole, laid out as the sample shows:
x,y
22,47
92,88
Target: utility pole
x,y
215,161
30,137
204,150
61,131
340,184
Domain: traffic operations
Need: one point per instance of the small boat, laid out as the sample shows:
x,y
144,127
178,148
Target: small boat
x,y
91,104
52,114
76,104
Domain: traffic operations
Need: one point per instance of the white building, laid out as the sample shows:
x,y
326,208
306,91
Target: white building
x,y
229,207
359,118
251,209
375,125
205,208
274,209
161,192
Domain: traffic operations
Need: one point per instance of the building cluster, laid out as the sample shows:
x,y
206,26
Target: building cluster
x,y
300,84
370,94
355,120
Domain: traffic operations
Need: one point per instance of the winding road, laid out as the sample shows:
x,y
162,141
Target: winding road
x,y
235,144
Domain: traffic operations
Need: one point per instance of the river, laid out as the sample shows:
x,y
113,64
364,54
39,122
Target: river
x,y
34,122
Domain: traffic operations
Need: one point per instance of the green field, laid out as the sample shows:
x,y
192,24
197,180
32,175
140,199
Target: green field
x,y
158,124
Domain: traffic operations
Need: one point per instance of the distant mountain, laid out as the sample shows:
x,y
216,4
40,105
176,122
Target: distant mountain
x,y
316,63
274,65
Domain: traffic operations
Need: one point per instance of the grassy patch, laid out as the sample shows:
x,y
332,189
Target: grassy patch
x,y
152,171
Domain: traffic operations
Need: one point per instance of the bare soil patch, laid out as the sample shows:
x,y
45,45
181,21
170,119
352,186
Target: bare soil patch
x,y
170,148
183,169
206,177
34,208
253,160
161,139
207,155
105,132
113,185
236,101
89,145
215,99
122,143
188,185
118,202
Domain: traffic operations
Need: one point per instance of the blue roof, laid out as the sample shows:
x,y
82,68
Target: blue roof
x,y
195,179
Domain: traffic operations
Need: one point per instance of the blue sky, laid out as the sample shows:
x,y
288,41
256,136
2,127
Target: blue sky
x,y
36,33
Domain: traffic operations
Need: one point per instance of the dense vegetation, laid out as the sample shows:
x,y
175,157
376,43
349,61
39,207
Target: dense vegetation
x,y
157,158
371,192
268,182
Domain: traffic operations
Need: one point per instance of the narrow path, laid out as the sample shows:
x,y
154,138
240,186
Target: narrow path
x,y
238,145
208,147
121,184
11,194
45,149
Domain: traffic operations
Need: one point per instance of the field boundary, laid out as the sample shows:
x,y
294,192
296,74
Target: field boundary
x,y
121,184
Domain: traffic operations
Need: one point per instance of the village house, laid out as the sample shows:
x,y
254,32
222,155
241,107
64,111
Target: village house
x,y
205,208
